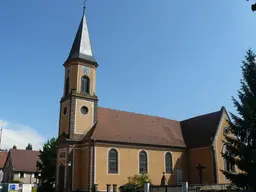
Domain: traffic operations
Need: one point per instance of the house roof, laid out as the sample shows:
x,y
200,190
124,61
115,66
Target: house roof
x,y
200,131
24,160
3,156
120,126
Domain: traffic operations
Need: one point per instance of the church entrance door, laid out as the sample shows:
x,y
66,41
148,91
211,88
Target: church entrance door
x,y
61,178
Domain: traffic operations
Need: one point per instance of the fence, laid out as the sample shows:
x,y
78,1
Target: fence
x,y
15,187
210,187
147,188
165,188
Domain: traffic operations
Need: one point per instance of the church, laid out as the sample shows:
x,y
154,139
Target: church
x,y
102,146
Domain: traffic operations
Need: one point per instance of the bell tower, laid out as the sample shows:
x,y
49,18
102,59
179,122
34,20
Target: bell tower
x,y
78,105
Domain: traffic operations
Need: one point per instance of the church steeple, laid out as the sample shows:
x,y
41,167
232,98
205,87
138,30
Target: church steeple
x,y
81,48
79,101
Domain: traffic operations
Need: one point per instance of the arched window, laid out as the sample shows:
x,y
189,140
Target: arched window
x,y
228,166
168,162
85,84
66,86
143,162
112,161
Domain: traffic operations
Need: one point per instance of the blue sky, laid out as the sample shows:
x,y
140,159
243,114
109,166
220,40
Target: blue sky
x,y
174,59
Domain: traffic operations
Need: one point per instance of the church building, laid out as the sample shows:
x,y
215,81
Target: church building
x,y
106,146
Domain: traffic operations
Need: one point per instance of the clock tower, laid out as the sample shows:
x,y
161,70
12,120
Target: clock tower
x,y
78,105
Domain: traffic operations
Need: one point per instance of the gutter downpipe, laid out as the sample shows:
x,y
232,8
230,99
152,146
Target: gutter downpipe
x,y
93,173
215,179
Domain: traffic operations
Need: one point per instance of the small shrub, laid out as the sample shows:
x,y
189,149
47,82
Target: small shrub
x,y
139,180
128,188
16,181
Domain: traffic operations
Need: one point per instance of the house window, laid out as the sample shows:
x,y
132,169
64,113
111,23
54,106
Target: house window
x,y
22,175
62,155
113,161
168,162
85,82
228,166
84,110
143,162
65,111
66,86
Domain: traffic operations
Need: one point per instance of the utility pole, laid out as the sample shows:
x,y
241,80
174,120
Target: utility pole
x,y
1,132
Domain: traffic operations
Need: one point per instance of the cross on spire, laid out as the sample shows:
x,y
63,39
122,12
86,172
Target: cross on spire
x,y
84,5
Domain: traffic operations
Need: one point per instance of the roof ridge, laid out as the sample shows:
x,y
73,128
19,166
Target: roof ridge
x,y
24,150
202,115
134,113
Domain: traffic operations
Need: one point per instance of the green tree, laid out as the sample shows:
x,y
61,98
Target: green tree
x,y
253,7
14,147
240,141
29,147
47,163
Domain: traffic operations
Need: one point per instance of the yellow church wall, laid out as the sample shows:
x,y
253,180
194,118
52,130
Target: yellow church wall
x,y
203,156
129,165
64,120
219,146
91,75
83,122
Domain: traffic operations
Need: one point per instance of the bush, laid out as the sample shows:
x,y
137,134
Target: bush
x,y
128,188
16,181
139,180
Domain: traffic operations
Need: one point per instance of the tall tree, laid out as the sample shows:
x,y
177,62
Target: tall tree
x,y
240,141
47,163
29,147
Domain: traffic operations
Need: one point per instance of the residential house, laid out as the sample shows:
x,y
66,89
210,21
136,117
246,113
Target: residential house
x,y
21,165
3,156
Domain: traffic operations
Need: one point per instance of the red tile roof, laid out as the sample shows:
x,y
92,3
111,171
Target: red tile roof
x,y
3,156
200,131
24,160
121,126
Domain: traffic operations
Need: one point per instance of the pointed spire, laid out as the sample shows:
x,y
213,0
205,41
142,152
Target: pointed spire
x,y
81,47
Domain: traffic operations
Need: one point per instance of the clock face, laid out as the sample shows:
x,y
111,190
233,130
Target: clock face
x,y
86,70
